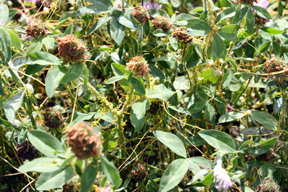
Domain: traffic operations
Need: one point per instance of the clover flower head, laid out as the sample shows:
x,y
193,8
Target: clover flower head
x,y
160,22
105,189
138,65
222,179
36,29
150,5
141,14
262,3
118,5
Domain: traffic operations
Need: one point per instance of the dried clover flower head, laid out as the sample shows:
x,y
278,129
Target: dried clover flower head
x,y
83,141
53,118
26,150
71,49
139,172
141,14
268,185
260,21
273,65
138,65
181,35
36,29
160,22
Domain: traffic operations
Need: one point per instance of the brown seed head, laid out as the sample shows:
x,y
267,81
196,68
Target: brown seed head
x,y
83,141
53,118
160,22
181,35
138,65
36,29
71,49
141,14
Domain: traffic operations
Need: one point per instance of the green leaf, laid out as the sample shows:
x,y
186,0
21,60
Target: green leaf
x,y
15,40
69,30
78,117
239,15
100,22
1,89
210,113
263,147
128,20
115,79
181,83
55,179
159,92
43,58
5,44
173,175
231,116
4,16
138,86
73,73
250,49
160,33
250,21
117,31
247,189
13,104
44,142
261,12
208,75
229,32
198,27
110,171
97,7
89,176
172,142
138,111
277,48
42,164
35,46
49,42
219,140
227,13
52,80
265,46
227,80
206,181
197,107
272,31
265,119
279,104
218,47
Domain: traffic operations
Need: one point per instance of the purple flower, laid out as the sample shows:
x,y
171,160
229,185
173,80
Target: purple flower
x,y
222,179
262,3
1,22
151,5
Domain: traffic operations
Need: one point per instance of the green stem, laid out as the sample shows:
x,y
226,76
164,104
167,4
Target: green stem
x,y
131,43
28,107
73,99
61,23
140,42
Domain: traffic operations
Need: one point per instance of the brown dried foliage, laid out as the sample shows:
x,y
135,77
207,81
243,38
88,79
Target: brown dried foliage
x,y
71,49
273,65
83,141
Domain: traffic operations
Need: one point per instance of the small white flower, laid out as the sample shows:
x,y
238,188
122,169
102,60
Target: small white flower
x,y
217,72
249,112
9,3
46,10
252,94
27,11
30,87
242,99
222,179
200,78
16,123
23,19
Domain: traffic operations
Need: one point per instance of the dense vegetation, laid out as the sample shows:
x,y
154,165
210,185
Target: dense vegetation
x,y
167,95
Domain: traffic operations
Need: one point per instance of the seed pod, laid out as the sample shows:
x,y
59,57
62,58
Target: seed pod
x,y
83,141
141,14
53,118
71,49
160,22
138,65
26,150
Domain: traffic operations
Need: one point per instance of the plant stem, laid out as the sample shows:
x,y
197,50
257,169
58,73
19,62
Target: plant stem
x,y
73,98
131,43
28,107
140,41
